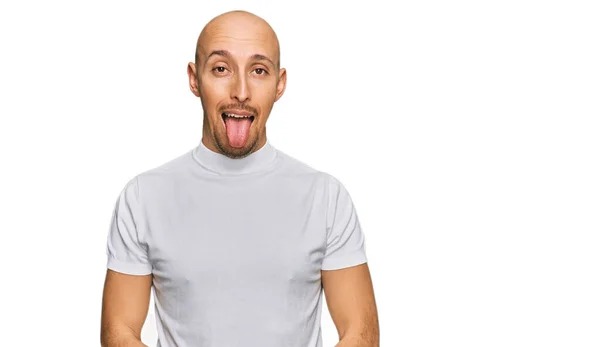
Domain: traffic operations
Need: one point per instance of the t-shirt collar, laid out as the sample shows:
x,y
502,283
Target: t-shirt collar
x,y
218,163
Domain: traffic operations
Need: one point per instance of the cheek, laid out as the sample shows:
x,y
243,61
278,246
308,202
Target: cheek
x,y
213,91
263,95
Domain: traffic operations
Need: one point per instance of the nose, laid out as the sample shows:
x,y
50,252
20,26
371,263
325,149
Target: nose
x,y
240,90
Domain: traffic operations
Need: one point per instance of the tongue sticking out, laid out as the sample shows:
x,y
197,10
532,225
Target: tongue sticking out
x,y
237,130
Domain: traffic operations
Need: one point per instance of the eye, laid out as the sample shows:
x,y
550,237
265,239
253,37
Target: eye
x,y
260,71
219,69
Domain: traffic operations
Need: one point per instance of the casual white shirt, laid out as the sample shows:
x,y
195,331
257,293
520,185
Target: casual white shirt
x,y
235,246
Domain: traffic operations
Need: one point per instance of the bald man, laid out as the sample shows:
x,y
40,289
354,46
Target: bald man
x,y
238,239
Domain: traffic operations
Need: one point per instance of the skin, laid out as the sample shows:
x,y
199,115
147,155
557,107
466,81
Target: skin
x,y
351,302
236,67
125,304
240,84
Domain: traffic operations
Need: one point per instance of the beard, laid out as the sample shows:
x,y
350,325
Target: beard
x,y
222,142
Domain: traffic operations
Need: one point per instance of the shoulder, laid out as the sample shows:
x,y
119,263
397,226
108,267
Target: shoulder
x,y
300,169
297,168
165,174
172,168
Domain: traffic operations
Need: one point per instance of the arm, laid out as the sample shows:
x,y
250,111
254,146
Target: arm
x,y
125,304
128,282
351,302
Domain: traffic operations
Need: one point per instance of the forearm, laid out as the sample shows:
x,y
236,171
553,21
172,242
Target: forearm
x,y
354,342
123,342
116,338
364,339
350,342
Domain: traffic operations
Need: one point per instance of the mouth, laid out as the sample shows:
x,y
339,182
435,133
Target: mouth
x,y
237,115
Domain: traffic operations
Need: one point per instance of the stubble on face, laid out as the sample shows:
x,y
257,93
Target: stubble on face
x,y
233,152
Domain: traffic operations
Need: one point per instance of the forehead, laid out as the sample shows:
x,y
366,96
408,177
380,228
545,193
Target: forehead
x,y
241,39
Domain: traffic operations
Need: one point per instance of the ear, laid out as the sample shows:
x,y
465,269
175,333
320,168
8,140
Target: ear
x,y
281,83
193,79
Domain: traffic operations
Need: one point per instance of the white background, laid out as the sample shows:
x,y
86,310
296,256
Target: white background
x,y
467,133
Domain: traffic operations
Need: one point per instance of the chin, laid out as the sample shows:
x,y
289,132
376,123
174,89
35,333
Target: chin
x,y
225,148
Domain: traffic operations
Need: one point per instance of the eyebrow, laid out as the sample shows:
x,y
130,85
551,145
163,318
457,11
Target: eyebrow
x,y
262,57
219,52
224,53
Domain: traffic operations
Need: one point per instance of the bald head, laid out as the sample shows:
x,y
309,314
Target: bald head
x,y
242,27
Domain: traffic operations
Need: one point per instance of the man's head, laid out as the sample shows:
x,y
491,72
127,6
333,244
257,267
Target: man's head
x,y
236,73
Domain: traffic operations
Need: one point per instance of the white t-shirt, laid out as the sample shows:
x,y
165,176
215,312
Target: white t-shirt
x,y
235,246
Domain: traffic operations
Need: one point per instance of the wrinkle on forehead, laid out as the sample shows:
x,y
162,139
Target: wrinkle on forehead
x,y
240,26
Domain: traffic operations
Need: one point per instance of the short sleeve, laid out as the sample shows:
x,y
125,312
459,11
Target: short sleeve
x,y
125,251
345,239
